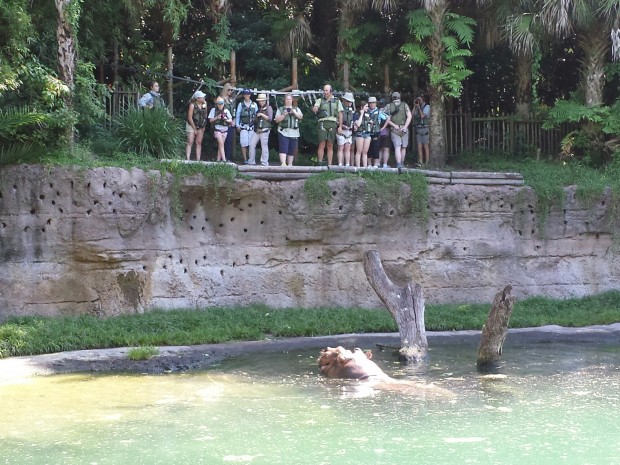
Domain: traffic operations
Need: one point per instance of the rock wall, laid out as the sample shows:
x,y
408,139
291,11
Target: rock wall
x,y
106,241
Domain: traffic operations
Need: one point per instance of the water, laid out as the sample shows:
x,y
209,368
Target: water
x,y
558,405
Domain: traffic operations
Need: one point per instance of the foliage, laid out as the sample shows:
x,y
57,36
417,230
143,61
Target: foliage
x,y
316,189
597,136
142,353
38,335
218,51
151,132
458,30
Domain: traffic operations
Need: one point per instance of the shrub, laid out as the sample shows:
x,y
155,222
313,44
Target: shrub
x,y
151,132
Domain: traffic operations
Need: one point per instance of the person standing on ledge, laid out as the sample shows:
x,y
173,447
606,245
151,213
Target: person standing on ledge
x,y
221,119
329,112
229,104
195,123
421,118
244,120
262,128
288,117
399,115
152,99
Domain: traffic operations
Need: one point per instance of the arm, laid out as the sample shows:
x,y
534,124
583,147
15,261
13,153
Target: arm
x,y
238,114
298,114
146,100
315,107
279,116
213,116
409,116
190,114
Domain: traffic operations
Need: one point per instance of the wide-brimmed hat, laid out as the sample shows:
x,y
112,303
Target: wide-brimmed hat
x,y
372,99
395,95
348,96
198,94
261,97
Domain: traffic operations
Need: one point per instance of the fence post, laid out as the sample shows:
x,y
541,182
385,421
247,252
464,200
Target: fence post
x,y
469,131
511,130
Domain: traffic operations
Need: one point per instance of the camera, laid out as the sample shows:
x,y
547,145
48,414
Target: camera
x,y
288,110
417,101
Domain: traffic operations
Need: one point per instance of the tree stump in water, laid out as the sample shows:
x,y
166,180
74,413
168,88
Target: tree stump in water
x,y
494,331
405,304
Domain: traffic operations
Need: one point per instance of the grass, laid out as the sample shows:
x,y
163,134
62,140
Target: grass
x,y
142,353
38,335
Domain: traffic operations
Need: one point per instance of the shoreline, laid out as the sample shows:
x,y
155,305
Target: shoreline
x,y
184,358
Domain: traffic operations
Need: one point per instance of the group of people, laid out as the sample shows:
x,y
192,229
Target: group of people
x,y
363,135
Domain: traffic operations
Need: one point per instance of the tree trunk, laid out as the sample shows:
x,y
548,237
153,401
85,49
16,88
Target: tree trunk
x,y
524,84
595,44
437,10
494,331
406,305
66,55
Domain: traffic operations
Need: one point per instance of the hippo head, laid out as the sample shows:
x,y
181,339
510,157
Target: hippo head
x,y
338,362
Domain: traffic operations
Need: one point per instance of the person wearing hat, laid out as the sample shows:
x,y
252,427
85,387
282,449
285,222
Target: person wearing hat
x,y
152,99
344,136
229,104
399,115
244,120
288,118
378,120
195,123
421,117
221,119
262,128
329,112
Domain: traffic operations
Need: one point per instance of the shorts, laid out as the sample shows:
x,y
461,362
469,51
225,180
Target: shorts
x,y
384,141
327,131
345,137
422,135
398,140
373,149
287,145
245,136
190,130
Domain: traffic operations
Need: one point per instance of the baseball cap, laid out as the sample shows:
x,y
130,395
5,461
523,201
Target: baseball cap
x,y
246,92
372,99
395,95
198,94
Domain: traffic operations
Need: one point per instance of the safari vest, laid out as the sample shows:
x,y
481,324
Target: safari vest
x,y
347,116
375,122
290,122
229,104
261,123
417,120
248,113
328,109
398,112
199,116
221,121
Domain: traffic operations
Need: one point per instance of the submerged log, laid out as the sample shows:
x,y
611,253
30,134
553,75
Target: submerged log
x,y
405,304
494,331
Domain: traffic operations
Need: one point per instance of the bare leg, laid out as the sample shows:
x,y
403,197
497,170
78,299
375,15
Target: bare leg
x,y
320,151
190,142
330,152
199,135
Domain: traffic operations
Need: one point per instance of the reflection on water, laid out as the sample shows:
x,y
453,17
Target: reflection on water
x,y
558,405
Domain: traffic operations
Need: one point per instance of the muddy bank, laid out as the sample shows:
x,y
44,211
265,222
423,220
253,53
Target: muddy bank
x,y
183,358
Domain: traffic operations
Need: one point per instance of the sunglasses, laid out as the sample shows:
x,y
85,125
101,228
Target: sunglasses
x,y
220,103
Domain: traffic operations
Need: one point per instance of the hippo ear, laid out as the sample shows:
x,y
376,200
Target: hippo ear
x,y
369,354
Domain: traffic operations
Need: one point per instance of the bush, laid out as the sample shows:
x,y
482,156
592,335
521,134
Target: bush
x,y
151,132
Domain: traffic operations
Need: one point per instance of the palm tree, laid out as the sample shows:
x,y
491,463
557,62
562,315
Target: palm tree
x,y
591,20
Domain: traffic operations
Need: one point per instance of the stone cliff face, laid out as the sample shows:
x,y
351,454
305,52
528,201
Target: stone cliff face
x,y
106,241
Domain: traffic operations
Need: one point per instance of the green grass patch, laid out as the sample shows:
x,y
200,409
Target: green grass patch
x,y
39,335
142,353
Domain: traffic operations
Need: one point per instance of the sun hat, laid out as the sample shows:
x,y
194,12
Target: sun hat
x,y
372,99
395,95
296,94
261,97
348,96
198,94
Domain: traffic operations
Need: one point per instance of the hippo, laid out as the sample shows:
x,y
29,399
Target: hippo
x,y
338,362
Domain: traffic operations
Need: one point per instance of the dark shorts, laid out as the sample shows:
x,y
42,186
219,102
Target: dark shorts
x,y
288,145
385,142
373,149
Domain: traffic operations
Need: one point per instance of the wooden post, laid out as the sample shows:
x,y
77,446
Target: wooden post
x,y
406,305
386,78
294,82
494,331
170,88
345,75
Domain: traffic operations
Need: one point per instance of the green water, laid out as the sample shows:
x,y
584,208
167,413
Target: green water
x,y
558,405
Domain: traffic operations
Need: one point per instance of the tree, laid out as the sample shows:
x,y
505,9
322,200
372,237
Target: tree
x,y
441,41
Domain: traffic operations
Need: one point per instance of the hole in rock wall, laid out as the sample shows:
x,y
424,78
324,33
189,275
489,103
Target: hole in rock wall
x,y
61,210
222,273
245,230
249,205
33,211
232,219
41,197
247,257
